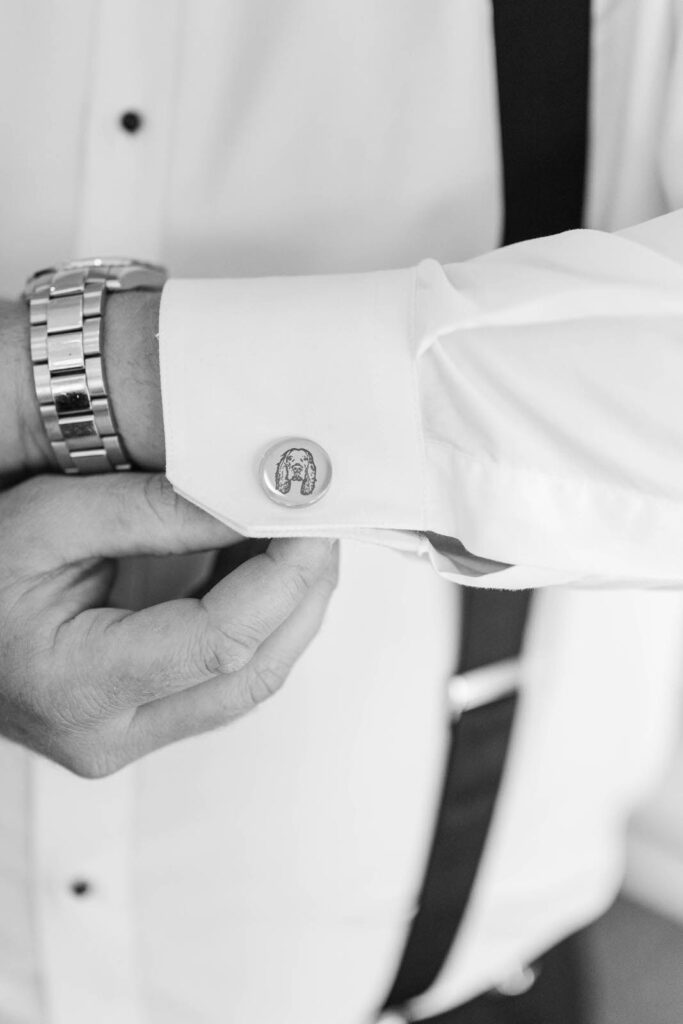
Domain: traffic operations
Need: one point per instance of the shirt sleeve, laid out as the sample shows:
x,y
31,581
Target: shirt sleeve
x,y
517,418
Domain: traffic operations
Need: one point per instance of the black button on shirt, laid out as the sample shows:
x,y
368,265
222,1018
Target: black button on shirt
x,y
131,121
80,887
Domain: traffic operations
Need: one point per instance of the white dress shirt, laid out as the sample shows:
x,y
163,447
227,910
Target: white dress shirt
x,y
524,402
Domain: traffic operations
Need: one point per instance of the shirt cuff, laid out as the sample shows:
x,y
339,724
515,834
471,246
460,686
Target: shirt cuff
x,y
248,363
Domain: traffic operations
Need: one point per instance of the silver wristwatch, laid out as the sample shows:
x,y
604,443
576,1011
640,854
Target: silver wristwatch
x,y
66,311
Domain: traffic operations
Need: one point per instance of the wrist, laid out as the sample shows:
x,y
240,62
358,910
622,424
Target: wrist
x,y
25,449
131,363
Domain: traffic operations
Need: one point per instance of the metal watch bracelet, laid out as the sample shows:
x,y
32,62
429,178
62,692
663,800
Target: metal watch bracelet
x,y
66,316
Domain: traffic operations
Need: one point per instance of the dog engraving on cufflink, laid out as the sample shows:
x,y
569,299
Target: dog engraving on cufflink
x,y
295,472
298,465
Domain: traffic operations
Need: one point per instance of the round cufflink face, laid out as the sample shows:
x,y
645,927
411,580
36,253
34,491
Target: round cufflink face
x,y
296,472
518,982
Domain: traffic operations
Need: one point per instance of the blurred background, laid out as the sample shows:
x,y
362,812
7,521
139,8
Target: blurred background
x,y
636,950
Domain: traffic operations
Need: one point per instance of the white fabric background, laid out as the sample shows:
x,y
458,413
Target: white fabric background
x,y
266,873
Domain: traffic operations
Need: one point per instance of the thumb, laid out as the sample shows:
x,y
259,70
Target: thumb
x,y
65,519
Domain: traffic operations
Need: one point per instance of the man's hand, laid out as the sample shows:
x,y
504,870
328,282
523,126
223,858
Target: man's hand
x,y
95,688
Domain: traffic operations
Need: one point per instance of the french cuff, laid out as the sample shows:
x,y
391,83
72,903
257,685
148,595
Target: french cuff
x,y
261,376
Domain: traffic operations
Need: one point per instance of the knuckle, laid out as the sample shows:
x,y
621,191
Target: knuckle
x,y
264,679
222,653
246,690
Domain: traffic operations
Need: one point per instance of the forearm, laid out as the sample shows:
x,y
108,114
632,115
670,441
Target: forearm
x,y
523,405
132,370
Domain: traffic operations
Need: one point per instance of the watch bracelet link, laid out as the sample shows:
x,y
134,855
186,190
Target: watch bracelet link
x,y
66,316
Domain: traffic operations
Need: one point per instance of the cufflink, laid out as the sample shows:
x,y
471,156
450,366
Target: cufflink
x,y
295,472
518,982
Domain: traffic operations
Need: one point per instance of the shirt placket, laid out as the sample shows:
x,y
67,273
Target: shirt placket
x,y
136,68
81,866
82,831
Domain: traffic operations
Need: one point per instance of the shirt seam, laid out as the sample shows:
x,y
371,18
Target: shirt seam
x,y
538,474
417,417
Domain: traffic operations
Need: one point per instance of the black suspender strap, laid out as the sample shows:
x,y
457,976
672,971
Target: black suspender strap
x,y
477,747
542,56
542,53
492,631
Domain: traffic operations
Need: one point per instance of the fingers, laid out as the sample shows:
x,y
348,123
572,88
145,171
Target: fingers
x,y
66,519
120,660
77,674
222,699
